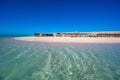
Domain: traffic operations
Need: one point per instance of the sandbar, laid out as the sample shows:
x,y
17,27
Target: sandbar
x,y
102,40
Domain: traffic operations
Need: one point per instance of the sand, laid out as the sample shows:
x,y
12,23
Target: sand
x,y
70,39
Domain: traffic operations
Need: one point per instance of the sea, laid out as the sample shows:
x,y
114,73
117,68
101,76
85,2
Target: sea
x,y
21,60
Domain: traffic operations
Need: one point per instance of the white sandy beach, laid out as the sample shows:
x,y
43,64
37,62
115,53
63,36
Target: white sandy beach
x,y
70,39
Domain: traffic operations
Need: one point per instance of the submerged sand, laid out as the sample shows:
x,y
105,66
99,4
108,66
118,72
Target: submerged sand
x,y
71,39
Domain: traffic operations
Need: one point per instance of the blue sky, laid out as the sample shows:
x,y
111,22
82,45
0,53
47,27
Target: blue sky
x,y
29,16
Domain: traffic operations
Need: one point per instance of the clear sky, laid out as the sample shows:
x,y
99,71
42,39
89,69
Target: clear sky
x,y
29,16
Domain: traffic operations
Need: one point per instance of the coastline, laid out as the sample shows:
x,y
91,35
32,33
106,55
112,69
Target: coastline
x,y
101,40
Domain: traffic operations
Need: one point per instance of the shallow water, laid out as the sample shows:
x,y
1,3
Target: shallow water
x,y
21,60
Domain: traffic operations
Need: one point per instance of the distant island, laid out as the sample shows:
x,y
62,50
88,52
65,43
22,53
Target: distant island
x,y
74,37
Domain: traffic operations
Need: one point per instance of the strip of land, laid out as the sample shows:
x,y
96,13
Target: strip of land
x,y
71,39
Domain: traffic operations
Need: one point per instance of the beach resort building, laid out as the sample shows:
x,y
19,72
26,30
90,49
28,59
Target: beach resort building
x,y
79,34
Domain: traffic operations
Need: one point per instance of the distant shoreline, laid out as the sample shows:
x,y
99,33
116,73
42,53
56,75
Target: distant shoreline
x,y
101,40
12,36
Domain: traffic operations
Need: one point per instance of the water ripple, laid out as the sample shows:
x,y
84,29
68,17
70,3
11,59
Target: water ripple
x,y
51,61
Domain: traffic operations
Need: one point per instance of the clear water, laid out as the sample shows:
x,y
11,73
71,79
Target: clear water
x,y
53,61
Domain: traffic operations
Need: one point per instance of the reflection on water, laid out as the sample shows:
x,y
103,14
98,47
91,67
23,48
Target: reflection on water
x,y
51,61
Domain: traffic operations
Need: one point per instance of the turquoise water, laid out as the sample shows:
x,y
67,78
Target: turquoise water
x,y
53,61
12,36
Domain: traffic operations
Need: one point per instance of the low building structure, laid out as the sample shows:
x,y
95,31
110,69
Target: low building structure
x,y
79,34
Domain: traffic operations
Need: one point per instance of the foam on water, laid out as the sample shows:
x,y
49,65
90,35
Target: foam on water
x,y
51,61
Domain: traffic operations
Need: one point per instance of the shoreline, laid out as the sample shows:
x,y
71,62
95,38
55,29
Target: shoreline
x,y
100,40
